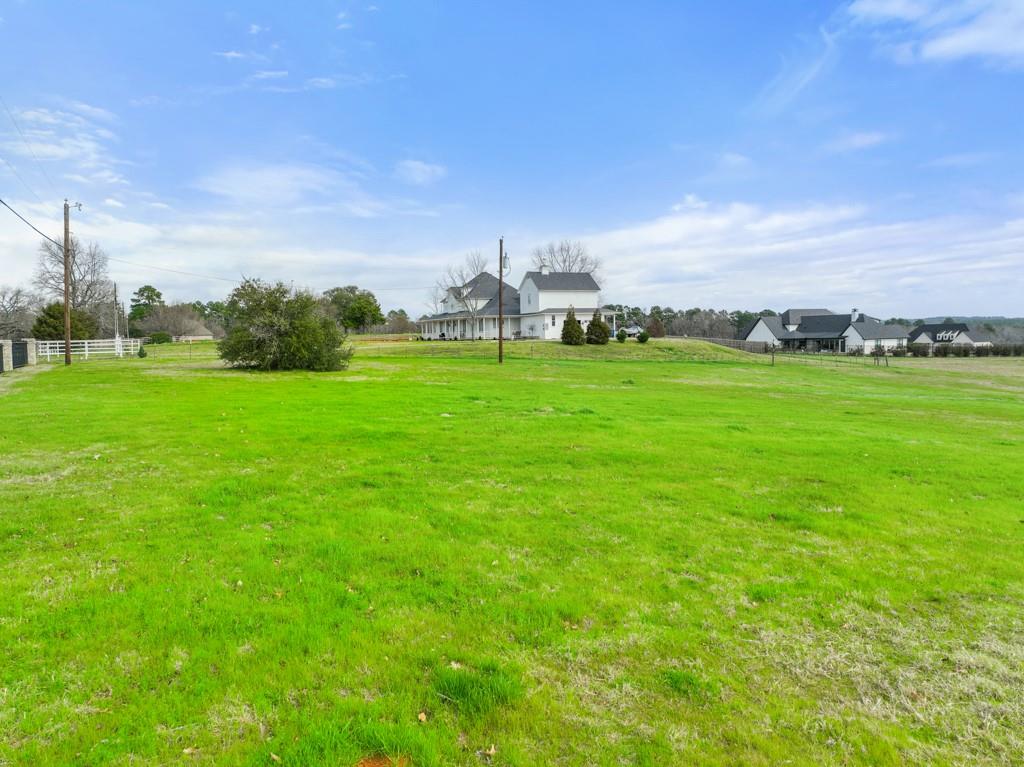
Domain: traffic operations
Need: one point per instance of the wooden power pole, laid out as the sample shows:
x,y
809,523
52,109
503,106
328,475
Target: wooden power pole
x,y
501,290
67,283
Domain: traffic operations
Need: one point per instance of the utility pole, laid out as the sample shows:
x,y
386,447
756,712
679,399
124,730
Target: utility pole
x,y
67,283
501,298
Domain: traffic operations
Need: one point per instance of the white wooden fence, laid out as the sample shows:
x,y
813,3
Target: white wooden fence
x,y
96,347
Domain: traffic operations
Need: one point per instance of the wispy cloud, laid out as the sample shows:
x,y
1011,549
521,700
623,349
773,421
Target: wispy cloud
x,y
256,29
729,255
74,139
797,74
272,74
419,173
946,30
852,142
961,160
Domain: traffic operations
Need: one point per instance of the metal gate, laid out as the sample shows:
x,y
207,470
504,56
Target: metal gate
x,y
19,354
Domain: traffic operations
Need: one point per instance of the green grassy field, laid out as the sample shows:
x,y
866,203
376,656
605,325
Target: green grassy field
x,y
672,554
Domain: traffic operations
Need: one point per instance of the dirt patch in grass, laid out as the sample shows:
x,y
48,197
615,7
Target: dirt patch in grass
x,y
383,761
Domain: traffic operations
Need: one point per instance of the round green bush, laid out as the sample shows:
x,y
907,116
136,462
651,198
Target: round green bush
x,y
643,336
621,336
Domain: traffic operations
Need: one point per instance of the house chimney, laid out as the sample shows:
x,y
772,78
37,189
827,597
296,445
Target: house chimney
x,y
853,316
545,269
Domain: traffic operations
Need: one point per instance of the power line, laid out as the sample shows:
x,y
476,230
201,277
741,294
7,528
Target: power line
x,y
161,268
22,180
30,224
29,146
174,271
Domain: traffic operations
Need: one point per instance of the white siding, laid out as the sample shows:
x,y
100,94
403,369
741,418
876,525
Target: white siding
x,y
761,332
528,297
562,299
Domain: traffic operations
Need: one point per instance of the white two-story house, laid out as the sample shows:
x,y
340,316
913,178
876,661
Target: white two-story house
x,y
536,310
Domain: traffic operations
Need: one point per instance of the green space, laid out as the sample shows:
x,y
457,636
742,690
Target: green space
x,y
671,553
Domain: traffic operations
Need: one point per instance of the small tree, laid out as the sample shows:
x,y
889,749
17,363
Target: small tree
x,y
621,336
655,328
643,336
273,328
598,331
572,332
49,325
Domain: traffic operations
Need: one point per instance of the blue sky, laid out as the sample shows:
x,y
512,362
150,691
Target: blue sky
x,y
741,155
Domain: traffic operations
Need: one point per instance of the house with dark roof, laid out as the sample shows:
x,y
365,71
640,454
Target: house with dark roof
x,y
537,309
950,333
823,330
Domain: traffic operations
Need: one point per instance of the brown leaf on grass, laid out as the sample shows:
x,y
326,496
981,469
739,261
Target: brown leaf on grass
x,y
422,716
275,757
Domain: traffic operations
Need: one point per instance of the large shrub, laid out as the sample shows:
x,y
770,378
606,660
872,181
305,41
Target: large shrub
x,y
940,350
272,327
572,332
643,336
598,331
920,350
621,336
160,337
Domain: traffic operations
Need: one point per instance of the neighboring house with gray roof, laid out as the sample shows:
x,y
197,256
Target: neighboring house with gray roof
x,y
823,330
537,309
950,333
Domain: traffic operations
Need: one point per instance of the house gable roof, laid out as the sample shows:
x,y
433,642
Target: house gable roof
x,y
562,281
774,324
941,327
871,331
794,316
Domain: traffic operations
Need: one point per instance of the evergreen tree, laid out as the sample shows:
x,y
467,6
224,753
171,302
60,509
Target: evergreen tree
x,y
598,331
49,325
572,331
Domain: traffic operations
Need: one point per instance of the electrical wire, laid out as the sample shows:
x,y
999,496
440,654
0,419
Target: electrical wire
x,y
152,266
21,179
30,224
29,146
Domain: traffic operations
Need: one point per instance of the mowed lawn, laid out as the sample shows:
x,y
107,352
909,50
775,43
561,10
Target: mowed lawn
x,y
686,558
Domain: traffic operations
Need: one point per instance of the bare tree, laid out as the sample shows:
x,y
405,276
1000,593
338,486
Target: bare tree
x,y
565,256
90,285
18,309
177,319
457,286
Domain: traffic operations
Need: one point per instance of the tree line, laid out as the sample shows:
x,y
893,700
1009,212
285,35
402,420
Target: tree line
x,y
97,311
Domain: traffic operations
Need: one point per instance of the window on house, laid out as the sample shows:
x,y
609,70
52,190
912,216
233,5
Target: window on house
x,y
553,320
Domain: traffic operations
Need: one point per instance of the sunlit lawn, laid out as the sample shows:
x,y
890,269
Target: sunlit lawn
x,y
665,555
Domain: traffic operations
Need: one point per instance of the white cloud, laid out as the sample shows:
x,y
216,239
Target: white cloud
x,y
69,142
991,30
851,142
733,160
419,173
321,83
797,74
256,29
740,255
110,202
961,160
230,54
690,202
273,74
273,185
